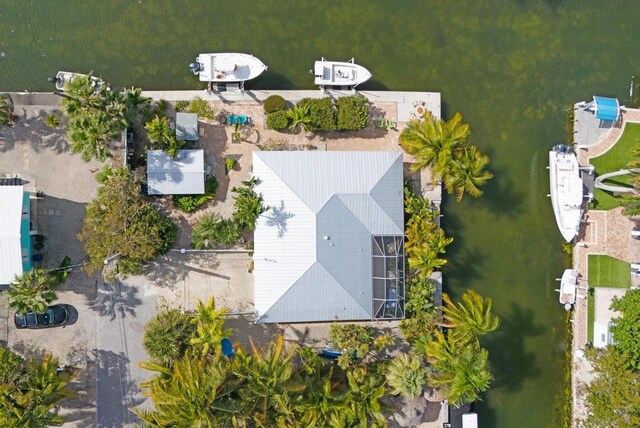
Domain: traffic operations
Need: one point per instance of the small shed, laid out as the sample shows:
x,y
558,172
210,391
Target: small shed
x,y
607,108
183,175
187,126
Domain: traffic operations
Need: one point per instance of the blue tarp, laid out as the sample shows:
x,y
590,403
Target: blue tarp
x,y
606,108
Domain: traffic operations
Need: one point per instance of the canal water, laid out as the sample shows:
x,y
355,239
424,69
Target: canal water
x,y
510,67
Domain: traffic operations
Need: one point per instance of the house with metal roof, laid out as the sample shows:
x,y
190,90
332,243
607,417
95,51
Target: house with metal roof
x,y
331,245
183,175
15,238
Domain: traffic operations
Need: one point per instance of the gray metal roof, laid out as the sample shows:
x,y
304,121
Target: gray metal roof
x,y
187,126
312,259
181,176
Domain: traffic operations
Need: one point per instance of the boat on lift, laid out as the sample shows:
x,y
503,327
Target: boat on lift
x,y
221,68
566,190
63,77
336,73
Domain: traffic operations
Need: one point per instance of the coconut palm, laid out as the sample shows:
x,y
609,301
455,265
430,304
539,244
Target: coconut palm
x,y
467,173
459,369
159,132
434,142
271,385
407,375
299,116
209,332
132,101
32,292
471,317
29,390
194,392
248,206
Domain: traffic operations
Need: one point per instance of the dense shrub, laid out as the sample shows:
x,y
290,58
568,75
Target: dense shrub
x,y
190,203
353,112
322,113
278,120
167,335
182,105
212,231
274,103
202,108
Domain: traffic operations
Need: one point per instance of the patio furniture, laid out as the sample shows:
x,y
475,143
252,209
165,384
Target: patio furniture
x,y
37,257
39,238
379,123
38,246
231,119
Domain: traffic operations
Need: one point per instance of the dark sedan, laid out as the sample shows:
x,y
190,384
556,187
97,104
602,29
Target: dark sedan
x,y
54,316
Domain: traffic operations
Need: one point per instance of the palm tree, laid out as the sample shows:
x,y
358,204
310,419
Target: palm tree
x,y
467,173
407,375
29,390
248,206
424,245
52,120
32,292
271,386
433,142
167,335
89,134
211,231
159,132
209,331
459,369
299,116
194,392
366,387
132,101
471,317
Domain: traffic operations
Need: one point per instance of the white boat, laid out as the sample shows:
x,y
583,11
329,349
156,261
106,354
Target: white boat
x,y
227,67
63,77
568,285
335,73
566,190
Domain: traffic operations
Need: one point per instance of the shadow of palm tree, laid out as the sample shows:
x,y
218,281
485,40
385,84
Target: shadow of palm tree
x,y
119,298
512,364
277,217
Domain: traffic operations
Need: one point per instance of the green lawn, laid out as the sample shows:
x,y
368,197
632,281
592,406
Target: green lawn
x,y
605,271
615,159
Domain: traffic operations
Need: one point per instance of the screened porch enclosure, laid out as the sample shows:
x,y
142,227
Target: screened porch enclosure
x,y
387,257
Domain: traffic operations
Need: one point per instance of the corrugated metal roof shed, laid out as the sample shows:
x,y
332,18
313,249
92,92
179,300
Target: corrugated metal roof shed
x,y
312,259
187,126
11,202
181,176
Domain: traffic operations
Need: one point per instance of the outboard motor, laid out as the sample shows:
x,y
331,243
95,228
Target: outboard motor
x,y
195,67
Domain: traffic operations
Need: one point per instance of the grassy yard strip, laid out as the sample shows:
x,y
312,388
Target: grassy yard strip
x,y
606,271
616,159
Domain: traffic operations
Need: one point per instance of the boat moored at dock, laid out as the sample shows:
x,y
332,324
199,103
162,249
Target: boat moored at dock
x,y
227,67
336,73
64,77
566,190
568,284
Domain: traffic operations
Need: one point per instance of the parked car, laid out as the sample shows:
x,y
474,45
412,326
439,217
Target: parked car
x,y
55,315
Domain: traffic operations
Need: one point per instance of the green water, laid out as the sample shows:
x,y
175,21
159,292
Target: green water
x,y
508,66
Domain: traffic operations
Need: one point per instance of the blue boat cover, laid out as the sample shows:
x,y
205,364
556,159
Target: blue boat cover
x,y
606,108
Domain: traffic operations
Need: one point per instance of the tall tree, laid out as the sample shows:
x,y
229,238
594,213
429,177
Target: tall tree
x,y
612,397
626,328
366,387
248,205
433,142
167,335
120,222
32,292
30,389
194,392
6,111
470,318
467,173
459,369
